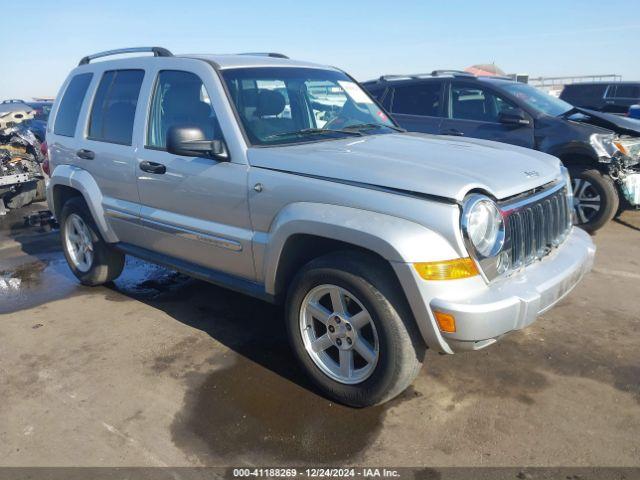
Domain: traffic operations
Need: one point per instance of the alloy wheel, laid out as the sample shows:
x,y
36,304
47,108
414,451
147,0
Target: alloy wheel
x,y
586,200
78,242
339,334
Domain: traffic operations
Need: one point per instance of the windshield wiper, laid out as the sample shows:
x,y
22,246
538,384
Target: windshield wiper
x,y
312,131
370,126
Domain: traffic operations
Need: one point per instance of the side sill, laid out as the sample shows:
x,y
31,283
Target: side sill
x,y
221,279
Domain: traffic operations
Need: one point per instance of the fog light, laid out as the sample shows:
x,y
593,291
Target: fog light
x,y
447,269
446,321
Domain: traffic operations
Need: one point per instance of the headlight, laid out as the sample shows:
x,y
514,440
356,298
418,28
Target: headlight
x,y
629,148
483,226
603,144
608,146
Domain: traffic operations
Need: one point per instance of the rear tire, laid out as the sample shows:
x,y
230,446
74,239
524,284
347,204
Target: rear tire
x,y
90,258
372,317
596,199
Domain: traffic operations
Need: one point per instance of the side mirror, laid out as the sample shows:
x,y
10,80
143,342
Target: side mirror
x,y
515,116
190,141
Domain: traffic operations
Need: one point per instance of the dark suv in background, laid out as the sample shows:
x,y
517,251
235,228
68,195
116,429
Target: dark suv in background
x,y
612,97
602,151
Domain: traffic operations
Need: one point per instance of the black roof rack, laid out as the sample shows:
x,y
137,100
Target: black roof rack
x,y
157,52
265,54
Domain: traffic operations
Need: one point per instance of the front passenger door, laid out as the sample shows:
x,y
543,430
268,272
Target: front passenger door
x,y
475,110
193,208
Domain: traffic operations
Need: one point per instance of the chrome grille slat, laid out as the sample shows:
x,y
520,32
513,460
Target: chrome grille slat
x,y
533,229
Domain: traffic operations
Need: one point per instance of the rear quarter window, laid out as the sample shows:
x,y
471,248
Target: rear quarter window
x,y
114,106
70,105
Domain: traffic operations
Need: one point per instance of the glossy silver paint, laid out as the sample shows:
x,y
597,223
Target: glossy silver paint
x,y
397,195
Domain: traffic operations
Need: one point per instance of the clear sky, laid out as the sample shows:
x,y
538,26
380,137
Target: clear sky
x,y
366,38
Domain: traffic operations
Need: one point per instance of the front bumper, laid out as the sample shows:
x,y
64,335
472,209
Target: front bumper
x,y
484,312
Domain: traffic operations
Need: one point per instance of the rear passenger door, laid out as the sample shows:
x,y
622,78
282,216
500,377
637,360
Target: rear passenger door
x,y
191,208
108,150
417,106
474,110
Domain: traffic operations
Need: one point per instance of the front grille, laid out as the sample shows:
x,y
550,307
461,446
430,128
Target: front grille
x,y
534,226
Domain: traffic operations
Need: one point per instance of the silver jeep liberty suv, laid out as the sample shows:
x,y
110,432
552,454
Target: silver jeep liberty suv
x,y
287,181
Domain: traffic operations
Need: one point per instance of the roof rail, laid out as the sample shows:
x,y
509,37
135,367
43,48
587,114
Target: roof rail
x,y
265,54
460,73
434,73
157,52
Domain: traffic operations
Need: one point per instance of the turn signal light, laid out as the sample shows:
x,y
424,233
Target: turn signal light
x,y
447,269
446,322
622,148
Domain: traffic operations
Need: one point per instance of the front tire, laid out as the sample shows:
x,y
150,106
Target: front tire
x,y
89,257
351,329
595,198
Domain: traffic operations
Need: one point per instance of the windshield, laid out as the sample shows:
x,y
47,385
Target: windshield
x,y
292,105
537,99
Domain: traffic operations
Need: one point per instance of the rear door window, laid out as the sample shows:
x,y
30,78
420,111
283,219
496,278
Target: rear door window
x,y
114,106
70,105
422,99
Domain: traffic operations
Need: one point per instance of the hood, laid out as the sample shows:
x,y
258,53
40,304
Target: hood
x,y
427,164
618,124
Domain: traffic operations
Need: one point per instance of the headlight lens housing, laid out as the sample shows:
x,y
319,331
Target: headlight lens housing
x,y
483,226
603,144
610,146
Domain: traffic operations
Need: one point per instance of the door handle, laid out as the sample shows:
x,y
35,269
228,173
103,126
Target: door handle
x,y
153,167
453,132
85,154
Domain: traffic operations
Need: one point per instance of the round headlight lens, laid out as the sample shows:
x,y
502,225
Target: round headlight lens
x,y
485,227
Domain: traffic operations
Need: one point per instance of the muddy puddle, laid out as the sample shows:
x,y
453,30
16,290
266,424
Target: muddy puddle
x,y
48,278
35,283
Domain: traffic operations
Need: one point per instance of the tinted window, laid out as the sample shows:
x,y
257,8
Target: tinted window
x,y
70,105
421,99
628,91
375,92
469,102
114,107
180,99
579,94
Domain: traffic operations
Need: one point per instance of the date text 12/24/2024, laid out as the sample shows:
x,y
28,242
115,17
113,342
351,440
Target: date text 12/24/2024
x,y
315,472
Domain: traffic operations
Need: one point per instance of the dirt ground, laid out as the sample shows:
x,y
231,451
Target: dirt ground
x,y
159,369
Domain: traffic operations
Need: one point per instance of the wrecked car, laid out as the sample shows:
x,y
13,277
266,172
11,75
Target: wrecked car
x,y
601,151
22,179
242,171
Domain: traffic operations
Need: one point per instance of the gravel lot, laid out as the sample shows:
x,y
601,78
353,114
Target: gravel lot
x,y
159,369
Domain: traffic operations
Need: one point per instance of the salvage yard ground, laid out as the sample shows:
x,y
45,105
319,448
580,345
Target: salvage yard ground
x,y
159,369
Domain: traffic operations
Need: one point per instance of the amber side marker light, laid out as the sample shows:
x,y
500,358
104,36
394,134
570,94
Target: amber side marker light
x,y
446,322
447,269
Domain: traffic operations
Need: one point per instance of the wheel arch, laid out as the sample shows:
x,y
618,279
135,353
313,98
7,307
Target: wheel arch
x,y
304,231
67,182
